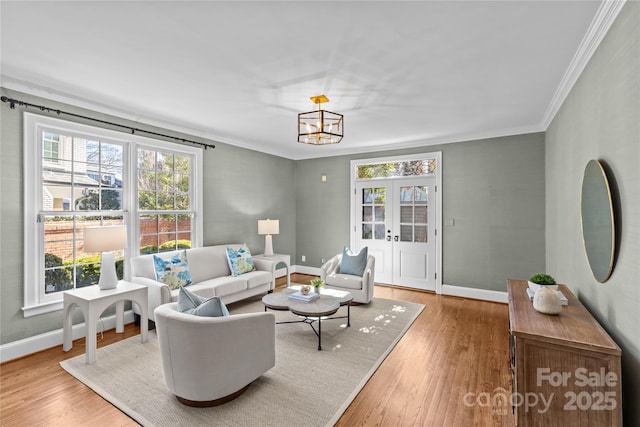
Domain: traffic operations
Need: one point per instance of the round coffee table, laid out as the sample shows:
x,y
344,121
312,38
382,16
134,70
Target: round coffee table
x,y
315,311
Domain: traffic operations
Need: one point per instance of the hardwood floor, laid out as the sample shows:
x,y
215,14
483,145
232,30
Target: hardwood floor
x,y
457,347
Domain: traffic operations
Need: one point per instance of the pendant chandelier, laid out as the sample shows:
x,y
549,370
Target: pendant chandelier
x,y
319,127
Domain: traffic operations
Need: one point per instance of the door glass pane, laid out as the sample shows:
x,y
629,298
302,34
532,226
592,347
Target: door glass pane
x,y
406,214
380,195
366,231
367,195
421,194
379,232
421,234
367,213
406,233
420,214
406,194
379,213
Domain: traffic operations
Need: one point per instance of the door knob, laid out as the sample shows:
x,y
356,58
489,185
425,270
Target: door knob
x,y
388,238
395,238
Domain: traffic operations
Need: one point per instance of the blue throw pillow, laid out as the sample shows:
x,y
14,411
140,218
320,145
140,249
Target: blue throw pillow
x,y
354,263
190,303
240,261
173,271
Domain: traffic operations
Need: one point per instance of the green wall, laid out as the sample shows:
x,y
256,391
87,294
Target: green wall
x,y
493,189
240,187
600,119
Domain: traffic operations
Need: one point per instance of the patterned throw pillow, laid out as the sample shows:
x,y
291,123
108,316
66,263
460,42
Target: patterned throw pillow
x,y
190,303
240,261
173,271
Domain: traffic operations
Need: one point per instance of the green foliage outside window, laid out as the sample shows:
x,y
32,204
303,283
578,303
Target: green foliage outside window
x,y
59,278
165,247
91,202
396,169
87,272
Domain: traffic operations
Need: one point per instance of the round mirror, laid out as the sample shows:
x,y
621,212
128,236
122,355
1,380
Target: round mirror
x,y
598,232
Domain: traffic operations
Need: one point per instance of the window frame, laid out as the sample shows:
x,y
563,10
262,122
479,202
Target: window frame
x,y
33,127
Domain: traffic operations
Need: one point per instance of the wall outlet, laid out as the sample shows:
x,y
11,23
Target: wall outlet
x,y
450,222
304,258
323,260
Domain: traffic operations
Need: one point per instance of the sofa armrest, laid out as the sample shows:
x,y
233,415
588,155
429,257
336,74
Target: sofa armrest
x,y
368,276
264,264
331,266
158,293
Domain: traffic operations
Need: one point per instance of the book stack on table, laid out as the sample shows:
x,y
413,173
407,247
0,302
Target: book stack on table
x,y
563,299
299,296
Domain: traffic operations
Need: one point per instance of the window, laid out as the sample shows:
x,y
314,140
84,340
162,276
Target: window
x,y
164,204
81,176
50,147
404,168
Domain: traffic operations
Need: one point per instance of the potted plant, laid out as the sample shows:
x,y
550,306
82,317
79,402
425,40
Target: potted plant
x,y
541,279
317,283
545,297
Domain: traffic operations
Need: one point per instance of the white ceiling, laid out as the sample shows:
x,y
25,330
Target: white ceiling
x,y
402,73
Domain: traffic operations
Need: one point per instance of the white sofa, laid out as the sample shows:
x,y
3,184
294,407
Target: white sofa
x,y
210,274
208,361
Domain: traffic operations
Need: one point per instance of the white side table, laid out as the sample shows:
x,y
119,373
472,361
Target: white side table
x,y
93,301
278,258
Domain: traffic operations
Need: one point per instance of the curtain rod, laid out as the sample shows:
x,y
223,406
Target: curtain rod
x,y
13,102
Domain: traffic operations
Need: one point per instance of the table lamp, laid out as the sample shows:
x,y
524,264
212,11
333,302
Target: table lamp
x,y
106,240
268,227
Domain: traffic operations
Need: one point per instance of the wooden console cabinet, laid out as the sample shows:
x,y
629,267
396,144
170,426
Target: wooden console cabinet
x,y
566,368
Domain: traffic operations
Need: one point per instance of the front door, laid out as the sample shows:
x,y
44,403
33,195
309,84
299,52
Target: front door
x,y
374,220
397,219
414,250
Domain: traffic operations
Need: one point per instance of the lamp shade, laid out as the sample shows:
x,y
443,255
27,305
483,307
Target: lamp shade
x,y
268,226
105,239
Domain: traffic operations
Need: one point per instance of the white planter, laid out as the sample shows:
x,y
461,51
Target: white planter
x,y
534,286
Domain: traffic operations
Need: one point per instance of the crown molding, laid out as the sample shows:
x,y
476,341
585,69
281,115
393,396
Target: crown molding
x,y
28,88
602,21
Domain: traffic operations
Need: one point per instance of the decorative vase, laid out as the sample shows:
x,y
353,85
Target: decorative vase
x,y
547,301
316,289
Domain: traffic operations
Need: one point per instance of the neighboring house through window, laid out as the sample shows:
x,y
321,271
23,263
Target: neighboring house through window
x,y
81,176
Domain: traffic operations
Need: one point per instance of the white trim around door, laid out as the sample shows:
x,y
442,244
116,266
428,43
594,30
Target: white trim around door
x,y
355,220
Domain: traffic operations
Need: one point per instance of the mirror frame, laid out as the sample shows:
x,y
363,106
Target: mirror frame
x,y
595,188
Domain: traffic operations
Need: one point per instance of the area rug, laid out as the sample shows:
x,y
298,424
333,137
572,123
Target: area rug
x,y
307,387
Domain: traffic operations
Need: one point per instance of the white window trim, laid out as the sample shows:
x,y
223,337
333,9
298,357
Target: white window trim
x,y
33,246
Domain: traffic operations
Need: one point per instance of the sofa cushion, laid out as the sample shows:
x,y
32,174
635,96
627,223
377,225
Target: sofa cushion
x,y
354,263
347,281
208,262
174,271
257,278
240,261
221,286
191,303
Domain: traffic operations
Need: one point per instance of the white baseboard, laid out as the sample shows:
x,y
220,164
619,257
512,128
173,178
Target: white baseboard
x,y
459,291
475,293
30,345
303,269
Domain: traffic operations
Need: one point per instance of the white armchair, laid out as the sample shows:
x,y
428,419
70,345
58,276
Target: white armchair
x,y
360,287
208,361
